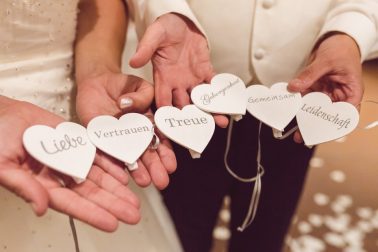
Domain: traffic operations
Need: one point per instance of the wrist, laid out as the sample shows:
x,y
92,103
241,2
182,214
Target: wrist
x,y
91,71
180,20
343,40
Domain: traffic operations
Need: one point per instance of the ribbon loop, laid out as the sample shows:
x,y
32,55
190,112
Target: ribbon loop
x,y
255,198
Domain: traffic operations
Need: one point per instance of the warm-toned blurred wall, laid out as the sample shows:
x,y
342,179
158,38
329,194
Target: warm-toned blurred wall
x,y
339,206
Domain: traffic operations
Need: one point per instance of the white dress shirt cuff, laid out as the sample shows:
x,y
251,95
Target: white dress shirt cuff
x,y
356,25
145,12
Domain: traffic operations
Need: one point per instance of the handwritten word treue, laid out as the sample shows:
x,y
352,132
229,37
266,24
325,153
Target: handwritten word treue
x,y
186,122
63,145
271,98
207,98
317,111
120,132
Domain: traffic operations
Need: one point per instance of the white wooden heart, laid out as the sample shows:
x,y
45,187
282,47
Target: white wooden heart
x,y
66,149
125,138
319,120
225,95
189,127
274,106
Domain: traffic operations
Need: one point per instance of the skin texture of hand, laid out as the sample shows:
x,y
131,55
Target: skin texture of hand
x,y
334,69
100,201
180,58
114,94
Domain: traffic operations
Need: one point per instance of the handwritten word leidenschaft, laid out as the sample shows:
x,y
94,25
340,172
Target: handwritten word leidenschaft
x,y
317,111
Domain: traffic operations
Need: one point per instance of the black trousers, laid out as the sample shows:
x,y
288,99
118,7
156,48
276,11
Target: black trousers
x,y
197,189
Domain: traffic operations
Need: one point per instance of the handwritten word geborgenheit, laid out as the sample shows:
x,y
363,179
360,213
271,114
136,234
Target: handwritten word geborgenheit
x,y
317,111
207,98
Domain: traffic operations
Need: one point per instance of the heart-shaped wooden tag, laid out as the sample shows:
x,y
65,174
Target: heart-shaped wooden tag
x,y
274,106
320,120
225,95
66,149
125,138
189,127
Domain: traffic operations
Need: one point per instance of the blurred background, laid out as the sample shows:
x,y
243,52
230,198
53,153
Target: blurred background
x,y
339,206
338,210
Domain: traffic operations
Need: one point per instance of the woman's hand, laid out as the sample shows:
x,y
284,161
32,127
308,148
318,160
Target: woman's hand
x,y
114,93
100,201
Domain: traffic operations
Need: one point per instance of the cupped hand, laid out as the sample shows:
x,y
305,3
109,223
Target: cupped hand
x,y
180,58
335,69
100,201
113,93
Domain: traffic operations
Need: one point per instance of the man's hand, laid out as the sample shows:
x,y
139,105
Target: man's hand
x,y
114,93
100,201
180,57
334,69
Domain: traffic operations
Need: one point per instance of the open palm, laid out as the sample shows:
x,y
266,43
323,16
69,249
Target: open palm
x,y
180,58
104,95
100,201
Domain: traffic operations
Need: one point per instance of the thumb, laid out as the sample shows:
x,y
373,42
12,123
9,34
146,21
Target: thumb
x,y
210,75
150,42
138,101
309,76
24,185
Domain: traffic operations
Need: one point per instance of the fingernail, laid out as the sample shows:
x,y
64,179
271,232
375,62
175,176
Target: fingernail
x,y
125,103
297,82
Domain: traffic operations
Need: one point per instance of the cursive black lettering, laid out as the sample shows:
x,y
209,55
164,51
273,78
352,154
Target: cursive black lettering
x,y
332,118
206,98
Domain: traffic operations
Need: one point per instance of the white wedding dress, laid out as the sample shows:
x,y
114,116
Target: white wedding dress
x,y
36,39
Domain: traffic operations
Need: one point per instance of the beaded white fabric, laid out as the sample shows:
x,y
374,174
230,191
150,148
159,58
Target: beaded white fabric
x,y
35,65
36,52
36,48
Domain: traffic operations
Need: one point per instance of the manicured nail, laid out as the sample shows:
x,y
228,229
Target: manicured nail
x,y
125,103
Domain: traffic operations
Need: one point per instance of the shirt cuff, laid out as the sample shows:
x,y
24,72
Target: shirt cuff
x,y
356,25
155,9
